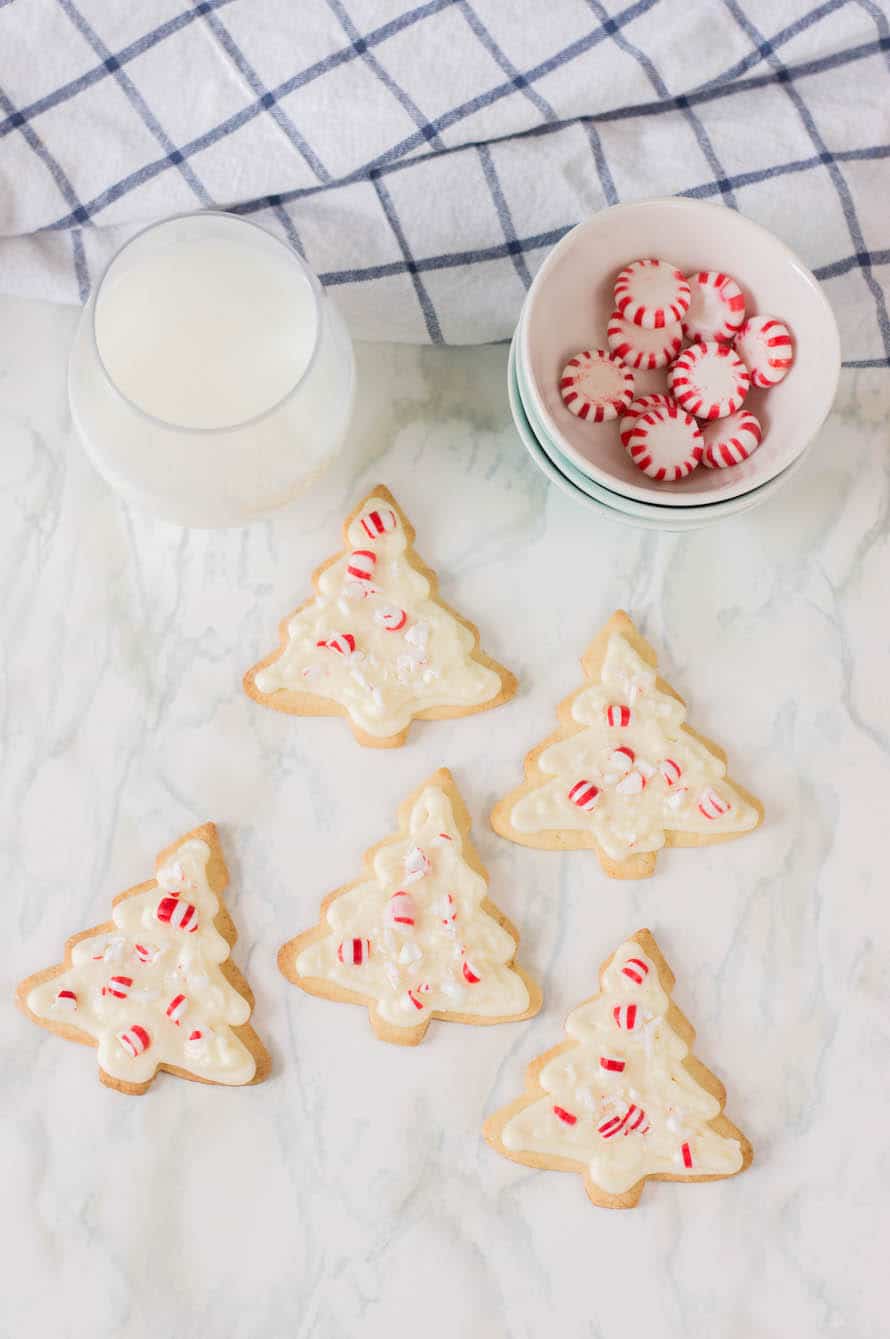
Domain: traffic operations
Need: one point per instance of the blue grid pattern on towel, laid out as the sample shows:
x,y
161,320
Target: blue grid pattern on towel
x,y
425,163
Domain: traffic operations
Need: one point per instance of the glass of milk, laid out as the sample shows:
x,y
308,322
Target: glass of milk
x,y
211,379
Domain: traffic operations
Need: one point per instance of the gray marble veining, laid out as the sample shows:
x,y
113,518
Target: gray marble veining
x,y
352,1193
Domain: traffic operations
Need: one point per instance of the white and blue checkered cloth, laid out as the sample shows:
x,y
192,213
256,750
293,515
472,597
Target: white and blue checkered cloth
x,y
424,157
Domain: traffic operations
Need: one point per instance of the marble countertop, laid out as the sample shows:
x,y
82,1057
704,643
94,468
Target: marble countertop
x,y
352,1194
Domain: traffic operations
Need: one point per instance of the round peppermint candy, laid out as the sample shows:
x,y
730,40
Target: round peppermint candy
x,y
361,564
711,804
716,308
391,617
354,952
709,380
401,912
641,405
118,986
636,970
764,346
377,523
180,915
177,1009
585,795
652,294
342,642
627,1016
134,1040
665,443
596,386
470,973
645,349
729,441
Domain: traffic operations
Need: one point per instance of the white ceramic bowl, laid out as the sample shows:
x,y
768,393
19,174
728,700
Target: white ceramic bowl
x,y
671,519
570,301
676,517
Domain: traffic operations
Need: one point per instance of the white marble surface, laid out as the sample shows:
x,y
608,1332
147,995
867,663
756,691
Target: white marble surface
x,y
352,1193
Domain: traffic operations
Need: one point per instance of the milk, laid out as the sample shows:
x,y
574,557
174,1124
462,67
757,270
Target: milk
x,y
211,378
206,332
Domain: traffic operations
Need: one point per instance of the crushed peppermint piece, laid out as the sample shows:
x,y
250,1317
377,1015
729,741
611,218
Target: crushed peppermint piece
x,y
417,865
418,635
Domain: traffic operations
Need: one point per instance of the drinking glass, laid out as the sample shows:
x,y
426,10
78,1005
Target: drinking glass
x,y
211,379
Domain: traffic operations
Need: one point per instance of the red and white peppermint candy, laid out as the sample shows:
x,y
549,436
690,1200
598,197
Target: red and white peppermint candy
x,y
632,784
401,911
361,564
177,1009
354,952
179,915
416,864
636,970
621,759
665,443
66,999
765,347
196,1042
379,522
709,380
391,617
729,441
712,805
643,349
617,715
118,986
633,1121
670,770
627,1017
652,294
643,404
147,953
609,1062
566,1117
716,307
414,995
470,973
585,795
596,386
342,642
135,1040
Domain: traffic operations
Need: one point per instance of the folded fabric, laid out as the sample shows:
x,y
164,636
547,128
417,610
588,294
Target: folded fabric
x,y
424,158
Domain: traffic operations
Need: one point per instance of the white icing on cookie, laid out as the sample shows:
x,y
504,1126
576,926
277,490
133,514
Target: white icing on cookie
x,y
453,957
644,772
640,1114
125,982
409,654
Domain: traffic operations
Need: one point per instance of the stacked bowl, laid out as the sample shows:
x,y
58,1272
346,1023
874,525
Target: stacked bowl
x,y
568,309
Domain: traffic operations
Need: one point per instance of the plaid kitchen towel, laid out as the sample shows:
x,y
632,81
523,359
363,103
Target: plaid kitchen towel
x,y
424,157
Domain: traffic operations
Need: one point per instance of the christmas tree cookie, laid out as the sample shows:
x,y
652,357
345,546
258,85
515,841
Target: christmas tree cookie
x,y
623,1100
375,643
153,988
415,938
624,775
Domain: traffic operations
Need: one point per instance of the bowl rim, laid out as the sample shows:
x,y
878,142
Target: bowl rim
x,y
641,493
